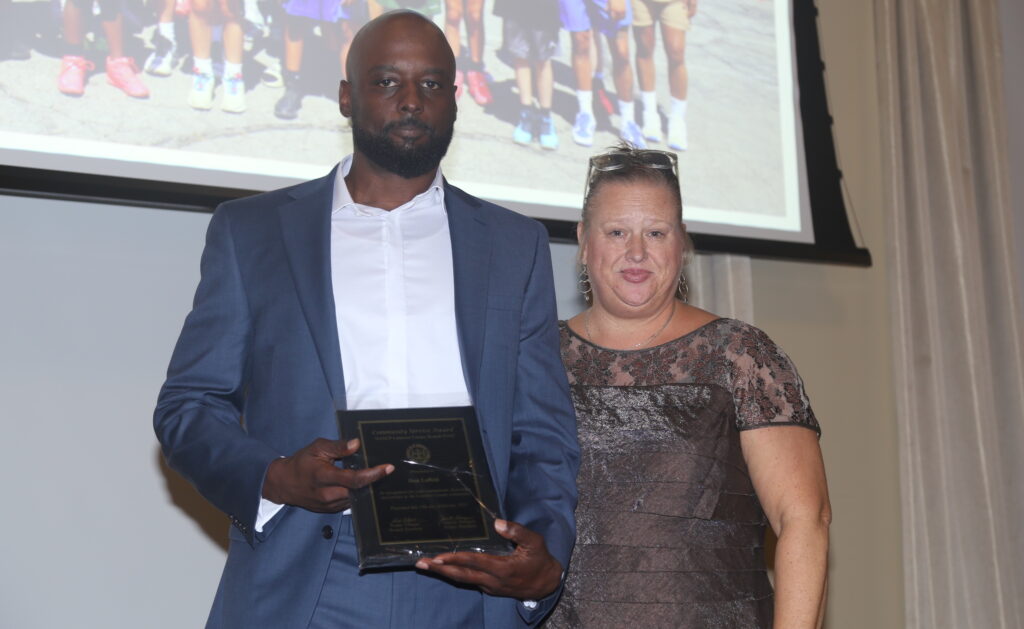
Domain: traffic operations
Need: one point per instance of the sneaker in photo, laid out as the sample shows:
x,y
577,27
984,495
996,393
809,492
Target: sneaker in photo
x,y
523,133
631,133
677,140
124,75
288,106
161,60
583,129
200,96
547,137
73,71
652,127
478,89
233,98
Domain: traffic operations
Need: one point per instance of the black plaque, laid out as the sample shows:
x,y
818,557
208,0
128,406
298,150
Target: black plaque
x,y
440,498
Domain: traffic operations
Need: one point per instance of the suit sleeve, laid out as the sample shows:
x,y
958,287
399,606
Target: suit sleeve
x,y
545,451
198,417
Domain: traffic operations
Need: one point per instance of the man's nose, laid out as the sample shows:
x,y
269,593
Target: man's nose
x,y
410,98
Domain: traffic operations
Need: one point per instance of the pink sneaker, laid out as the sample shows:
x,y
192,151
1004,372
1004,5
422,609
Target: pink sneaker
x,y
122,74
478,89
72,75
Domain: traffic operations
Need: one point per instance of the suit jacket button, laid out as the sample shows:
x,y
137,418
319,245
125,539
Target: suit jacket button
x,y
327,532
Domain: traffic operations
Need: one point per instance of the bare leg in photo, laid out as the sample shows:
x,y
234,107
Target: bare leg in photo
x,y
622,73
470,12
678,80
204,14
582,68
165,44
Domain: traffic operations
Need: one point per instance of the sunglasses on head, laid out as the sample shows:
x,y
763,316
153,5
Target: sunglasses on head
x,y
614,160
619,158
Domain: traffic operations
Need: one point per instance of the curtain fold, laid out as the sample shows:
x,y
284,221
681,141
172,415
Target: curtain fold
x,y
721,283
957,327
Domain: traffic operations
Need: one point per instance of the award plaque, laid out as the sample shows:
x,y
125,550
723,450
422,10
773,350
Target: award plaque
x,y
439,499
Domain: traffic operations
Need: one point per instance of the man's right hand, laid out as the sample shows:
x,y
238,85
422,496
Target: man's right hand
x,y
309,478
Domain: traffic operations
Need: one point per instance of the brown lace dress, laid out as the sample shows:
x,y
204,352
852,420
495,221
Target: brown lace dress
x,y
670,532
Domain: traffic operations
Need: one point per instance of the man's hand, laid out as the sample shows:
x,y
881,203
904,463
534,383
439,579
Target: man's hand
x,y
309,478
529,573
692,9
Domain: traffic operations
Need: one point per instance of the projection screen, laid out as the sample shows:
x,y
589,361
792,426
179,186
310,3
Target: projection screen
x,y
726,71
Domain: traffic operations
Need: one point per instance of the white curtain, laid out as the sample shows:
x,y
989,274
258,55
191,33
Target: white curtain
x,y
957,327
720,283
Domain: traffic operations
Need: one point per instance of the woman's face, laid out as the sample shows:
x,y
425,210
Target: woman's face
x,y
633,247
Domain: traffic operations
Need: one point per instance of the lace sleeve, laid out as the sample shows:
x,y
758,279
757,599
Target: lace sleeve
x,y
766,388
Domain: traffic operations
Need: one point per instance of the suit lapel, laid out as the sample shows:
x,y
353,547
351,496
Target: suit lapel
x,y
306,231
471,259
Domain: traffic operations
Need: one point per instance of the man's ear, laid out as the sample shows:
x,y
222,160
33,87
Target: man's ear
x,y
345,98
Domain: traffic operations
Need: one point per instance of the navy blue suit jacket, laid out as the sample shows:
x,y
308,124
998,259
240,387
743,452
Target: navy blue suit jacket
x,y
257,374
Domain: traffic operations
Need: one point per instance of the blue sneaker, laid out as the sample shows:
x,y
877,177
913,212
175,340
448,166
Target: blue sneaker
x,y
548,138
523,133
631,133
583,129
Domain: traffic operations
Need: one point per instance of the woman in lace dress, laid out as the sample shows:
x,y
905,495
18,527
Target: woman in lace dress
x,y
695,433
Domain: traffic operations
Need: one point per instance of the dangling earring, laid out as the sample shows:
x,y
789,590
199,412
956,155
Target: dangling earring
x,y
584,281
683,289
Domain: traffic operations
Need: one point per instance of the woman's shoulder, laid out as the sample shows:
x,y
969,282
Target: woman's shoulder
x,y
738,337
767,389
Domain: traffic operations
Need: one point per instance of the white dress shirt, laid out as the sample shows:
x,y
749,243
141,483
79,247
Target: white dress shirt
x,y
394,296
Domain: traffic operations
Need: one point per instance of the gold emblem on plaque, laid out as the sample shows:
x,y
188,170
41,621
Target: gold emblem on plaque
x,y
418,453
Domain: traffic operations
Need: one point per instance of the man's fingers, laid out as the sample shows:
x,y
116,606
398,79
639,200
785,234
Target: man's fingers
x,y
478,562
483,580
362,478
353,479
479,569
518,533
349,447
332,448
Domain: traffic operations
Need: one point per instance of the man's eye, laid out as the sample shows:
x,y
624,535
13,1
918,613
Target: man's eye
x,y
657,233
386,82
432,85
615,232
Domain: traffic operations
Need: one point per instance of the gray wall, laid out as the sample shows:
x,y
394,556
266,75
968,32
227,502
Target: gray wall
x,y
95,532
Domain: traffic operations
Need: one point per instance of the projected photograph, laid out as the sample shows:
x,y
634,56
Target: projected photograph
x,y
243,94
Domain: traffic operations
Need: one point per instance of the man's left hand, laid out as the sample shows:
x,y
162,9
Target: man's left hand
x,y
529,573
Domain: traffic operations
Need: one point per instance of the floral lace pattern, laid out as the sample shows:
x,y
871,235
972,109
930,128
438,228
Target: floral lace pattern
x,y
670,531
765,386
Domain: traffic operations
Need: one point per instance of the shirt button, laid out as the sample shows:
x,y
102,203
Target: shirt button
x,y
327,532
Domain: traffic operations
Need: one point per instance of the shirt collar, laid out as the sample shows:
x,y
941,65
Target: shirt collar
x,y
434,194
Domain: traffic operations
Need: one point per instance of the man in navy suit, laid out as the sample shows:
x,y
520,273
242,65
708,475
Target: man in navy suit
x,y
378,286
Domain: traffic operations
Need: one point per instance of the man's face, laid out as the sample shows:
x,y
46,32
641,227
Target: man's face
x,y
401,96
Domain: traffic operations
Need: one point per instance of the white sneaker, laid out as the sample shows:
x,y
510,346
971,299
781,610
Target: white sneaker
x,y
630,132
677,140
652,127
201,94
233,99
161,61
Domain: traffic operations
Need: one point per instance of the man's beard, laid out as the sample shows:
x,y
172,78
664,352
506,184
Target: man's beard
x,y
403,159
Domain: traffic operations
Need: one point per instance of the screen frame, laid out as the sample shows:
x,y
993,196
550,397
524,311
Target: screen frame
x,y
833,237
